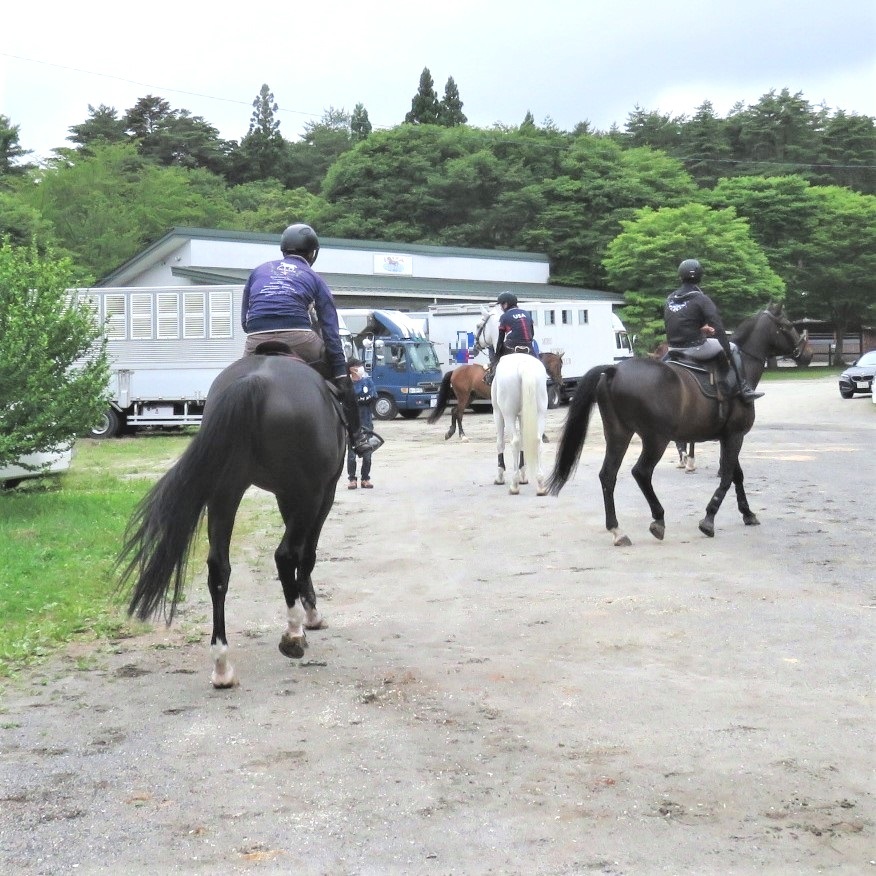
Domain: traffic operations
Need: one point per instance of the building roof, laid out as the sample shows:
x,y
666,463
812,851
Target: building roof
x,y
359,289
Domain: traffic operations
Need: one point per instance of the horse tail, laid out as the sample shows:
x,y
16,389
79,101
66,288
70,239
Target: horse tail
x,y
575,429
530,438
160,535
441,401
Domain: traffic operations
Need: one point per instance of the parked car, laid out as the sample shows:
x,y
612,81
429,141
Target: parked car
x,y
50,463
858,377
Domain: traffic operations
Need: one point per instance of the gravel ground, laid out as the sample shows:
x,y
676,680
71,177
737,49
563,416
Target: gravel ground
x,y
499,689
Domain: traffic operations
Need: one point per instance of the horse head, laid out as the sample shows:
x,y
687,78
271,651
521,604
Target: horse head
x,y
786,340
487,332
553,363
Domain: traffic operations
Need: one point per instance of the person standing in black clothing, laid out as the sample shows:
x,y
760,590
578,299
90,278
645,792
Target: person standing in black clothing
x,y
694,327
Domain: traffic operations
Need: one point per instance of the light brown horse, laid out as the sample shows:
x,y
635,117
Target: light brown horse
x,y
467,381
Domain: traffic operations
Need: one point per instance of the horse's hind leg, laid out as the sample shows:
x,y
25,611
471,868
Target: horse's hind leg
x,y
295,558
220,522
643,471
748,516
617,440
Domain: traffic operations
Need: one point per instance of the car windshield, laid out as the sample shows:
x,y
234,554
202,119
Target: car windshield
x,y
867,358
423,357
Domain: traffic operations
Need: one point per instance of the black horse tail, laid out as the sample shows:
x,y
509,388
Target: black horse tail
x,y
443,397
575,429
160,534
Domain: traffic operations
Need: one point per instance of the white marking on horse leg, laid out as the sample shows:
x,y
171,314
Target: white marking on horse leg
x,y
541,489
223,672
295,621
313,620
500,476
620,540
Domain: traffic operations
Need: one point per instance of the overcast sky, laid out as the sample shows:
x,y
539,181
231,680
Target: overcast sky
x,y
570,60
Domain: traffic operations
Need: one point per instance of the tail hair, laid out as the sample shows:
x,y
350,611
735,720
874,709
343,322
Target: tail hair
x,y
162,531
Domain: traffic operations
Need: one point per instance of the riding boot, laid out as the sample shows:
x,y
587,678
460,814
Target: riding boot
x,y
746,393
489,374
361,440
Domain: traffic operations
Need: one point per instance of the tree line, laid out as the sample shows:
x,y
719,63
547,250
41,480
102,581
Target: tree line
x,y
777,198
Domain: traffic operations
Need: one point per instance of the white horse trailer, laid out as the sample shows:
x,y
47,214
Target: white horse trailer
x,y
585,332
166,346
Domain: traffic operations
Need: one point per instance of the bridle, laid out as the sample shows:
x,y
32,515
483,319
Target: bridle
x,y
784,325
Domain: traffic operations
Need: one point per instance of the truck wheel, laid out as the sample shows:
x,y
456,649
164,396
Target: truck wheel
x,y
385,407
411,415
110,425
555,396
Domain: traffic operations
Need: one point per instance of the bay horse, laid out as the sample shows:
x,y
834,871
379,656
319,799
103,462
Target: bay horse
x,y
519,394
661,402
271,422
466,382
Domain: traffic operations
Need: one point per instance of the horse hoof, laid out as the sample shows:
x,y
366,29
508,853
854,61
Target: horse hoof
x,y
541,491
464,439
318,624
292,646
224,680
623,541
513,491
499,482
658,530
750,520
707,528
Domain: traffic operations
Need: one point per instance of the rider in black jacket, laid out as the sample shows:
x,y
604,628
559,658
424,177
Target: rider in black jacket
x,y
690,314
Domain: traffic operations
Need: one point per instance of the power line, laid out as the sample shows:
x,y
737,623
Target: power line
x,y
151,85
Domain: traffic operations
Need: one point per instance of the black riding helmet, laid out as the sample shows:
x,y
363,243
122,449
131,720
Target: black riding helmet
x,y
690,271
508,298
300,240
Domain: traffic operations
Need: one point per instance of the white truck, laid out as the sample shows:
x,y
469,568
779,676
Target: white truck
x,y
166,345
584,332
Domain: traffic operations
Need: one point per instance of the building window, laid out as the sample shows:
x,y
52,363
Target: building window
x,y
115,317
141,317
220,315
194,321
167,304
550,317
567,317
583,318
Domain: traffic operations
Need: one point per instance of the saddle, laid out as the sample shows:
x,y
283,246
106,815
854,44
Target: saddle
x,y
276,348
707,375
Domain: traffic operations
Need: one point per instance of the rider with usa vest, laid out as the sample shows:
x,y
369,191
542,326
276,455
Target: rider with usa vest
x,y
516,332
277,301
694,328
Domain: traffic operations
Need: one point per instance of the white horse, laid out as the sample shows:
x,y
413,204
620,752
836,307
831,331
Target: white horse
x,y
519,395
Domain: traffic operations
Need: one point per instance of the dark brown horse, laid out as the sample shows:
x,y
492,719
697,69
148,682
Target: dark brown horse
x,y
662,402
467,381
270,421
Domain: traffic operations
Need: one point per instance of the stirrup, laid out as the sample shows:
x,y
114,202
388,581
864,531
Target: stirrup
x,y
749,395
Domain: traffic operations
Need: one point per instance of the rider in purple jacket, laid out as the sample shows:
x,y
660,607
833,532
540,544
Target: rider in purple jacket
x,y
277,302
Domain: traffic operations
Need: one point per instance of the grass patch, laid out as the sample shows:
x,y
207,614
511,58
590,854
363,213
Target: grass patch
x,y
810,373
59,538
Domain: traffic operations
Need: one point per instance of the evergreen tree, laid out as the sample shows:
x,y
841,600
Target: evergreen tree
x,y
263,151
262,121
450,111
102,126
425,107
10,149
360,124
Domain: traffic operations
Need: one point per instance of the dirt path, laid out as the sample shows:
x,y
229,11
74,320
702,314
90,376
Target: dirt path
x,y
500,690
